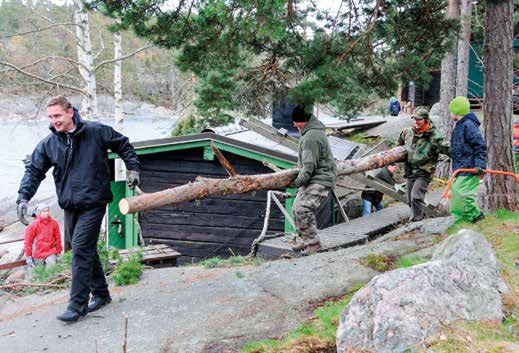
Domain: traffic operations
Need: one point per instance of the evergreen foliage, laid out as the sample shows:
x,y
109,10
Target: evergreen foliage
x,y
245,52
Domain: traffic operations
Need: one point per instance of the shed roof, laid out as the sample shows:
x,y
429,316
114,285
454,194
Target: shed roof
x,y
233,145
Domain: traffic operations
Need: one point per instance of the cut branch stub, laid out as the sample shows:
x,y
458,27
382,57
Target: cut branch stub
x,y
246,183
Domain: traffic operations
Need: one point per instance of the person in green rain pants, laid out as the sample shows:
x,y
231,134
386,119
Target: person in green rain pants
x,y
468,150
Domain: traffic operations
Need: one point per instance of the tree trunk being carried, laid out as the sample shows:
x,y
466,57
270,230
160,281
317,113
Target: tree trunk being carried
x,y
247,183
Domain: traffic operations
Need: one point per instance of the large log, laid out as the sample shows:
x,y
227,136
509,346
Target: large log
x,y
247,183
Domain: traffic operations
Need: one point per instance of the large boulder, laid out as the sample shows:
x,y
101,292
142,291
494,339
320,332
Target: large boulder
x,y
405,308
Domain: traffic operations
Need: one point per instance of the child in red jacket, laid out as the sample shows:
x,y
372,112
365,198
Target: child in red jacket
x,y
42,239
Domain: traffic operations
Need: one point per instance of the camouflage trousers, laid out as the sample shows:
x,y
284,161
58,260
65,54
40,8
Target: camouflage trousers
x,y
308,200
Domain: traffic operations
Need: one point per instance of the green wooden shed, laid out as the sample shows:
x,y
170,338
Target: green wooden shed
x,y
214,226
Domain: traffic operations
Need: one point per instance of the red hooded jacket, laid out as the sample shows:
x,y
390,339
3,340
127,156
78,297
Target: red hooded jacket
x,y
46,236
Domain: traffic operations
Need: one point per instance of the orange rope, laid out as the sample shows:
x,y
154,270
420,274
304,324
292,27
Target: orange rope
x,y
486,171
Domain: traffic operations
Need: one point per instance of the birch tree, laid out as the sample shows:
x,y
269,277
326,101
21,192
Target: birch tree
x,y
118,97
85,60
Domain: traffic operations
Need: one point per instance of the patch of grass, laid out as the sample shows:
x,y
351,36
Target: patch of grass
x,y
410,261
315,336
128,272
437,239
42,274
378,262
501,229
233,261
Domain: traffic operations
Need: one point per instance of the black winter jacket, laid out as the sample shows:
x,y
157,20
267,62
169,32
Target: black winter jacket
x,y
80,160
468,149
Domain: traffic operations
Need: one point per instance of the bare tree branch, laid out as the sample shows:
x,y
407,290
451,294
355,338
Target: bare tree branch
x,y
62,26
103,63
51,57
26,66
41,78
38,29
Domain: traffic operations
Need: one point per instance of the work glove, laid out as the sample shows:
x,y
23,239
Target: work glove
x,y
21,210
133,179
29,261
399,187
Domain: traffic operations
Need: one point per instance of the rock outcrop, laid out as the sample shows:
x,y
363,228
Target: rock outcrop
x,y
405,308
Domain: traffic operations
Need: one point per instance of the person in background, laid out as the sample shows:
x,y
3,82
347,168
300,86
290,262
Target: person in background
x,y
373,198
78,152
468,151
394,106
316,177
42,239
423,145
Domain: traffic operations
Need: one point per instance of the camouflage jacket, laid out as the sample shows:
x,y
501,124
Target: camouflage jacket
x,y
423,150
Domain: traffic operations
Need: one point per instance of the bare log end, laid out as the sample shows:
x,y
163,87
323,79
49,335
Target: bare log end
x,y
124,206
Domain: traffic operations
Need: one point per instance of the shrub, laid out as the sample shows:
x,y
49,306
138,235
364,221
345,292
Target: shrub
x,y
128,272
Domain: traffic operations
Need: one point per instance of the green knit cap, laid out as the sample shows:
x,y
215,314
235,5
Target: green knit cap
x,y
459,106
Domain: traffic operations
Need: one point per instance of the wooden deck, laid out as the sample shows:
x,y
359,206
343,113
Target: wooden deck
x,y
154,255
342,235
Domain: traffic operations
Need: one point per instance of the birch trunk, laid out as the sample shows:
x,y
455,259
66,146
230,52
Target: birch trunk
x,y
247,183
86,60
118,97
462,76
499,192
447,91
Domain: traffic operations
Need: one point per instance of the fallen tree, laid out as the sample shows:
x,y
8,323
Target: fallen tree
x,y
246,183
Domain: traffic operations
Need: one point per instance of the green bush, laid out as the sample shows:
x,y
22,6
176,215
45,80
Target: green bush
x,y
128,272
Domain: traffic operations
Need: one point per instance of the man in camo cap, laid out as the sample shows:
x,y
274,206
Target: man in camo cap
x,y
423,145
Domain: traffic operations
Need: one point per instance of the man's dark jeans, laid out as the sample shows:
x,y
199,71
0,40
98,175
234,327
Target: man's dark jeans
x,y
87,271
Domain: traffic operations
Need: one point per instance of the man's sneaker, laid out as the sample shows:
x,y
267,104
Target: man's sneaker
x,y
298,246
71,315
480,217
97,303
312,248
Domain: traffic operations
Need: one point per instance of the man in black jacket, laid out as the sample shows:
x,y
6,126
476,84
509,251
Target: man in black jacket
x,y
78,152
373,198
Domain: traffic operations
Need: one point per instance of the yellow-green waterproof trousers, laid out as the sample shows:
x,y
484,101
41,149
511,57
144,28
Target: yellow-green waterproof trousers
x,y
464,207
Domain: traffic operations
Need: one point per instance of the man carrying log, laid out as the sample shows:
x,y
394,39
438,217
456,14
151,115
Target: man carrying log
x,y
78,151
315,179
423,146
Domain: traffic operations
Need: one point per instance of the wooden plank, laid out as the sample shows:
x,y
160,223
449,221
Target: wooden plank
x,y
208,220
13,264
357,124
270,133
381,186
251,208
359,230
240,237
